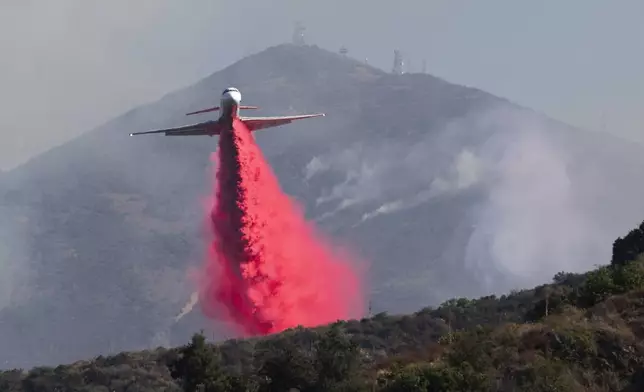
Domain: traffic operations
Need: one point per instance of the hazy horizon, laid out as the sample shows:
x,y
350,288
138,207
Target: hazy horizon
x,y
72,65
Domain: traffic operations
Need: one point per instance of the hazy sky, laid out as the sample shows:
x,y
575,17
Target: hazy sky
x,y
69,65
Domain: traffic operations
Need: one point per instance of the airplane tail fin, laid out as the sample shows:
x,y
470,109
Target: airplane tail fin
x,y
214,109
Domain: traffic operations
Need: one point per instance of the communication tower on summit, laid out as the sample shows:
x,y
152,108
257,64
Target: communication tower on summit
x,y
344,50
398,63
298,34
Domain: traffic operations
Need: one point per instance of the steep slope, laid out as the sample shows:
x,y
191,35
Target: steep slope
x,y
445,190
586,340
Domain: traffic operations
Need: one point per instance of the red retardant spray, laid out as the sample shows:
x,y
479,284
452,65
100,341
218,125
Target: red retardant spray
x,y
267,268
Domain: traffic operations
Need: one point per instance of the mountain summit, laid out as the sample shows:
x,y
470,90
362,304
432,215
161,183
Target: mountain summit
x,y
445,190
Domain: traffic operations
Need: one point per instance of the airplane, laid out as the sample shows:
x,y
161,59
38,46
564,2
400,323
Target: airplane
x,y
229,107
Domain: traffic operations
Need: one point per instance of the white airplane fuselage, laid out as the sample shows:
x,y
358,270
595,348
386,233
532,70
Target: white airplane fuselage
x,y
229,104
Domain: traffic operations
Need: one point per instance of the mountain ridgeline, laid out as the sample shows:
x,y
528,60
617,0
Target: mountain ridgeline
x,y
445,190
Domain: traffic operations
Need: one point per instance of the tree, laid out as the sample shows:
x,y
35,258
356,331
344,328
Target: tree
x,y
426,377
199,368
630,276
629,247
283,366
337,359
597,287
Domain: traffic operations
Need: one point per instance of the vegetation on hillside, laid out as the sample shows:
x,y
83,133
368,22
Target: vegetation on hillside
x,y
582,332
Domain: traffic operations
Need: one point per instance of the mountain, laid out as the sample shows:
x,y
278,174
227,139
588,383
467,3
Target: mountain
x,y
445,190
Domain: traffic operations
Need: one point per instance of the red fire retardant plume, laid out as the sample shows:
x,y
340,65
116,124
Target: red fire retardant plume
x,y
267,269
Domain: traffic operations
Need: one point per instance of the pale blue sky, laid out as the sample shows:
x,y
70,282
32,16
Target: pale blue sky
x,y
69,65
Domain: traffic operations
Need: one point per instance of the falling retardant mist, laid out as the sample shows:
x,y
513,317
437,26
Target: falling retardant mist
x,y
267,268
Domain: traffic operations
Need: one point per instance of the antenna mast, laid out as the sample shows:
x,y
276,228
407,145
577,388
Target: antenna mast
x,y
398,63
298,34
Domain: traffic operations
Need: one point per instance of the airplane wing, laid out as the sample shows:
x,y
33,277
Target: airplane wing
x,y
203,128
255,123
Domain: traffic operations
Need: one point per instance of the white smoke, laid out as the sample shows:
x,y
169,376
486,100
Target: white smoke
x,y
531,224
188,307
375,172
466,172
536,217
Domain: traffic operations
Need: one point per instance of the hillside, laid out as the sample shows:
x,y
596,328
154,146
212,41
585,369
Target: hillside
x,y
446,190
583,332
